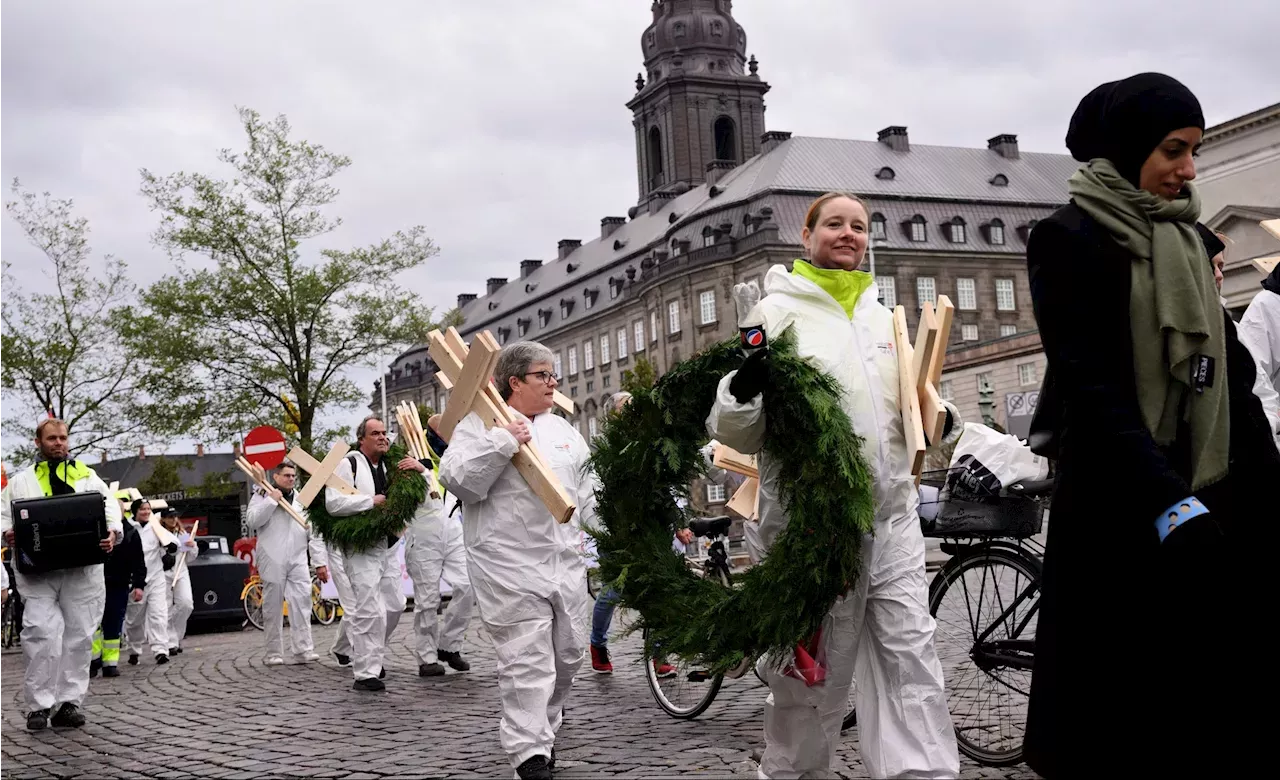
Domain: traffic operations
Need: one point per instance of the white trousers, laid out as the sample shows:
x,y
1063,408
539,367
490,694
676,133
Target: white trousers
x,y
146,622
281,581
62,611
180,605
881,634
540,640
374,591
433,550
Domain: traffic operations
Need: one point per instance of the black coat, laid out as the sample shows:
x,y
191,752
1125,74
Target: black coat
x,y
1145,651
126,567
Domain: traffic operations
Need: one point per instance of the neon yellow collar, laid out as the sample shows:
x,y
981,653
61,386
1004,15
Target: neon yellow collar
x,y
844,286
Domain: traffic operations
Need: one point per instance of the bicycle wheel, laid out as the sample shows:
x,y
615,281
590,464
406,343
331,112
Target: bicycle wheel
x,y
986,602
324,609
8,626
681,689
851,714
253,604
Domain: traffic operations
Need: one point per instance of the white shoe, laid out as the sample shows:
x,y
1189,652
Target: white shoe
x,y
305,658
273,660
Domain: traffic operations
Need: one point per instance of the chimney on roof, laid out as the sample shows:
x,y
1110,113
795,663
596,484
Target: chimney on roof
x,y
104,457
1005,145
895,137
465,298
567,245
493,284
772,140
142,452
610,224
529,266
199,450
716,169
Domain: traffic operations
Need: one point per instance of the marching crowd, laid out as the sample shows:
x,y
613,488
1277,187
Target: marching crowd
x,y
1153,384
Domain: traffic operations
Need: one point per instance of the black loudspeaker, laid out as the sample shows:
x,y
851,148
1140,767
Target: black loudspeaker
x,y
59,532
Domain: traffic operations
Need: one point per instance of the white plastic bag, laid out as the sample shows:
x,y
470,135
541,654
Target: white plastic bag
x,y
992,460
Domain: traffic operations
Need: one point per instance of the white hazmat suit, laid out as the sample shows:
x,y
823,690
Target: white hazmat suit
x,y
281,558
178,580
146,622
434,549
62,608
881,630
528,578
373,576
1259,330
392,596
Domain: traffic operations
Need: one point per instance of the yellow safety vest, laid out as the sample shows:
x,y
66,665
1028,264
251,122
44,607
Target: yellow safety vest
x,y
71,472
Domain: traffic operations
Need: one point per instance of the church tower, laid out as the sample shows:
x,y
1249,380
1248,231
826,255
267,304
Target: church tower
x,y
699,108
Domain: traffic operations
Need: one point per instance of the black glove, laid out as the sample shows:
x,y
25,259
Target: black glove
x,y
436,443
750,380
168,560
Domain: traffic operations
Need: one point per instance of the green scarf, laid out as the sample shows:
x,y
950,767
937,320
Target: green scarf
x,y
844,286
1174,311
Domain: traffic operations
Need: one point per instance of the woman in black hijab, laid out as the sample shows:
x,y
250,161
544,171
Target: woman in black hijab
x,y
1150,590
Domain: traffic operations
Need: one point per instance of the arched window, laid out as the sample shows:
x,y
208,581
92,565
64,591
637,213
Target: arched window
x,y
725,135
655,157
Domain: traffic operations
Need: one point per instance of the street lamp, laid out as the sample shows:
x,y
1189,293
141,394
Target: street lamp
x,y
871,253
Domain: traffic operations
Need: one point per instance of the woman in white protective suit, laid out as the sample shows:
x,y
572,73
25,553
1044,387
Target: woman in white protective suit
x,y
880,631
178,579
147,621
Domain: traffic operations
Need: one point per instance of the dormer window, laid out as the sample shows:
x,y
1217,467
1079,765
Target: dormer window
x,y
1024,230
885,174
995,232
544,317
589,298
566,308
493,305
999,180
522,326
675,247
956,231
917,229
878,231
618,244
708,236
503,334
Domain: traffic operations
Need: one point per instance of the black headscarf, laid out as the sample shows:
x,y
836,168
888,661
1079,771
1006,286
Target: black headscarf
x,y
1212,244
1124,121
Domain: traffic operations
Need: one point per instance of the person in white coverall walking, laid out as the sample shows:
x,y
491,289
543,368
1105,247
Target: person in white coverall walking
x,y
281,555
62,607
880,631
530,582
433,549
329,563
373,575
178,582
146,622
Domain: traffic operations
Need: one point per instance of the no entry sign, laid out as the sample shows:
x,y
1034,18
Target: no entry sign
x,y
264,446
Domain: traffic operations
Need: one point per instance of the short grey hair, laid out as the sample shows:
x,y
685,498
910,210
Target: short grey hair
x,y
514,361
616,401
364,423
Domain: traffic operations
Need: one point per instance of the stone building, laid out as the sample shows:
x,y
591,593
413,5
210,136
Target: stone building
x,y
721,199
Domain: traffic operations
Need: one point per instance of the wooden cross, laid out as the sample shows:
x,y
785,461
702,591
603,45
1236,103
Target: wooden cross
x,y
746,499
415,439
258,476
469,372
919,371
322,472
182,562
453,340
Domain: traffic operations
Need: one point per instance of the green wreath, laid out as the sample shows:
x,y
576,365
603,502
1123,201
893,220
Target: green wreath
x,y
406,490
647,455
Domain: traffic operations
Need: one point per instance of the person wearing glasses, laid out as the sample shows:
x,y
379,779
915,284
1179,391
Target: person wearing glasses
x,y
529,580
281,556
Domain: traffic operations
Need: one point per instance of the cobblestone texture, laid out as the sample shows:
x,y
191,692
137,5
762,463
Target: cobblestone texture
x,y
216,711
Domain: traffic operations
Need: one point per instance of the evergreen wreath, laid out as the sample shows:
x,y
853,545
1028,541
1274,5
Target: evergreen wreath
x,y
406,490
648,453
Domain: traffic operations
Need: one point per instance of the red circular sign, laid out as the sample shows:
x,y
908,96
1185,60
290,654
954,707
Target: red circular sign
x,y
264,446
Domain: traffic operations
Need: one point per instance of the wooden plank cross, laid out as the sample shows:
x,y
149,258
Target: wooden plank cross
x,y
469,372
919,372
322,472
258,476
182,562
746,499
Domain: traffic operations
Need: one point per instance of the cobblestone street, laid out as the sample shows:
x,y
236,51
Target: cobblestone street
x,y
216,711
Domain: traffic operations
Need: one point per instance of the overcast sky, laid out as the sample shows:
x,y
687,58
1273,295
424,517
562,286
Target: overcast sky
x,y
500,125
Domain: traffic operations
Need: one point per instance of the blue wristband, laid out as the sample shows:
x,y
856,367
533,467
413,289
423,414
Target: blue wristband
x,y
1178,514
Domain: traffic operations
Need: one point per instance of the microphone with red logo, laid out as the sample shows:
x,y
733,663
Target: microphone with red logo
x,y
751,335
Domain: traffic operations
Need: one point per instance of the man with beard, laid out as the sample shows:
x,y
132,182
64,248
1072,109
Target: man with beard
x,y
64,606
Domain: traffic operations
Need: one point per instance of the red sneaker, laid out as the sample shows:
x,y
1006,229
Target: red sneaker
x,y
663,669
600,660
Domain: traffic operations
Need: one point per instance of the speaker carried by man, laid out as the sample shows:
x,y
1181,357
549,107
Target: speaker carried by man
x,y
59,532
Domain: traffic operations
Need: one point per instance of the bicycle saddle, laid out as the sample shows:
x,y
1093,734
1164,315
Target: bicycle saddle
x,y
1032,488
710,526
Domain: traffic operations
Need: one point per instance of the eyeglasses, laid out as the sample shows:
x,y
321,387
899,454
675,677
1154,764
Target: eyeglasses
x,y
545,376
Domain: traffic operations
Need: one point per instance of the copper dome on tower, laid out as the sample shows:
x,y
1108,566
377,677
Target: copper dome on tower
x,y
694,36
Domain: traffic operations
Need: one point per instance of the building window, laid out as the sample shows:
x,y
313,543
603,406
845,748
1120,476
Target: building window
x,y
544,316
707,306
604,350
675,247
926,291
1027,373
966,294
878,226
588,357
957,231
673,317
726,143
556,365
614,289
715,493
708,239
588,300
592,427
622,343
591,385
947,390
638,327
1008,330
573,392
582,429
573,361
653,326
604,380
565,308
1004,294
918,229
655,158
888,288
996,231
969,332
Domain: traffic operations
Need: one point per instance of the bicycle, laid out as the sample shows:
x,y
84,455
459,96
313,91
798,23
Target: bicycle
x,y
987,598
324,610
11,620
669,683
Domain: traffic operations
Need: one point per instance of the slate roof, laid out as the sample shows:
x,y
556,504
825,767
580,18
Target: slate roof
x,y
937,182
132,470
